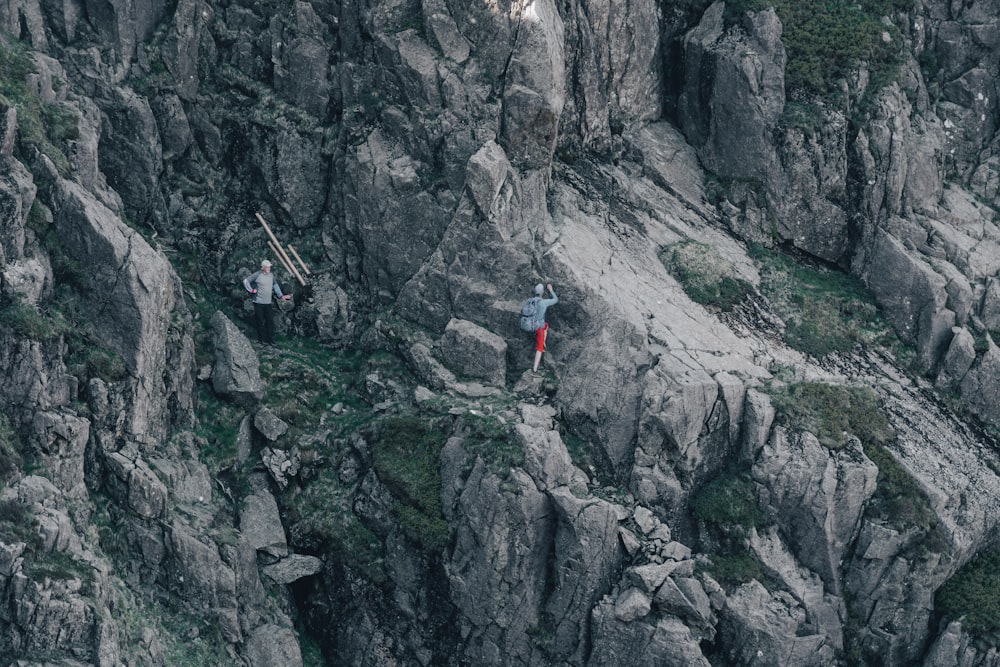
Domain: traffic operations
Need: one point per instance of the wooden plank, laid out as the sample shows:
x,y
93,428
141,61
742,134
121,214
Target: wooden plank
x,y
279,250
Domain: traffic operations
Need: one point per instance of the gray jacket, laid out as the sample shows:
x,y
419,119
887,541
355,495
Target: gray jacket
x,y
265,284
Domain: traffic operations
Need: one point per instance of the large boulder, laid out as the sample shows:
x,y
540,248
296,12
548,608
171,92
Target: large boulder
x,y
471,350
769,628
734,92
819,494
272,646
133,297
236,371
912,296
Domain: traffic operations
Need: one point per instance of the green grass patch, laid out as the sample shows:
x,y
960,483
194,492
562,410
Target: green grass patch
x,y
729,502
972,595
405,455
832,412
59,565
824,310
11,459
217,430
29,322
704,275
493,441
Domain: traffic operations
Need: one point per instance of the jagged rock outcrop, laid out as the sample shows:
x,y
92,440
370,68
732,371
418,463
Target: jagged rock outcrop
x,y
433,161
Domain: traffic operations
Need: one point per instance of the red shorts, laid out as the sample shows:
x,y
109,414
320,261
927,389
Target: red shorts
x,y
540,337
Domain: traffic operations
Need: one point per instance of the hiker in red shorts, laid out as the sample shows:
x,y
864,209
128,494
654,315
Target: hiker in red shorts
x,y
541,326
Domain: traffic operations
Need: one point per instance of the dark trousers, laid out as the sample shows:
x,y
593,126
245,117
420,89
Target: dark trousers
x,y
263,315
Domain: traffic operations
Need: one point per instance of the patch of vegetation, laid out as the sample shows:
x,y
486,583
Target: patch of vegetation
x,y
726,509
218,427
898,499
824,310
728,502
87,355
323,509
40,125
972,595
28,322
59,565
581,453
405,456
493,441
832,412
307,379
735,569
825,39
704,275
16,522
189,640
11,459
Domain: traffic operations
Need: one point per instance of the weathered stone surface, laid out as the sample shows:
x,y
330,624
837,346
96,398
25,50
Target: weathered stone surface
x,y
547,460
236,370
281,464
196,570
741,78
489,555
764,628
260,523
292,568
144,493
470,350
273,646
820,494
60,440
980,387
912,296
269,424
826,611
134,300
668,642
632,605
957,360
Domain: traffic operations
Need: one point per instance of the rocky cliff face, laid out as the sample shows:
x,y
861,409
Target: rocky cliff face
x,y
694,478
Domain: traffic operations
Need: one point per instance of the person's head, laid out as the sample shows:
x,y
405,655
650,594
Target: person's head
x,y
265,266
539,289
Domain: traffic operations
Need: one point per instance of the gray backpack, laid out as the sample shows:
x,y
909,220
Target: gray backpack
x,y
529,313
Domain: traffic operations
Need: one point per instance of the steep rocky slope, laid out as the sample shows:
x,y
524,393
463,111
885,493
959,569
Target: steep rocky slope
x,y
764,429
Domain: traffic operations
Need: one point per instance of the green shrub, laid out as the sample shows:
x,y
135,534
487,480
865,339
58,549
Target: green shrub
x,y
972,595
728,501
405,455
27,321
704,275
217,426
898,499
735,569
831,412
33,116
824,39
